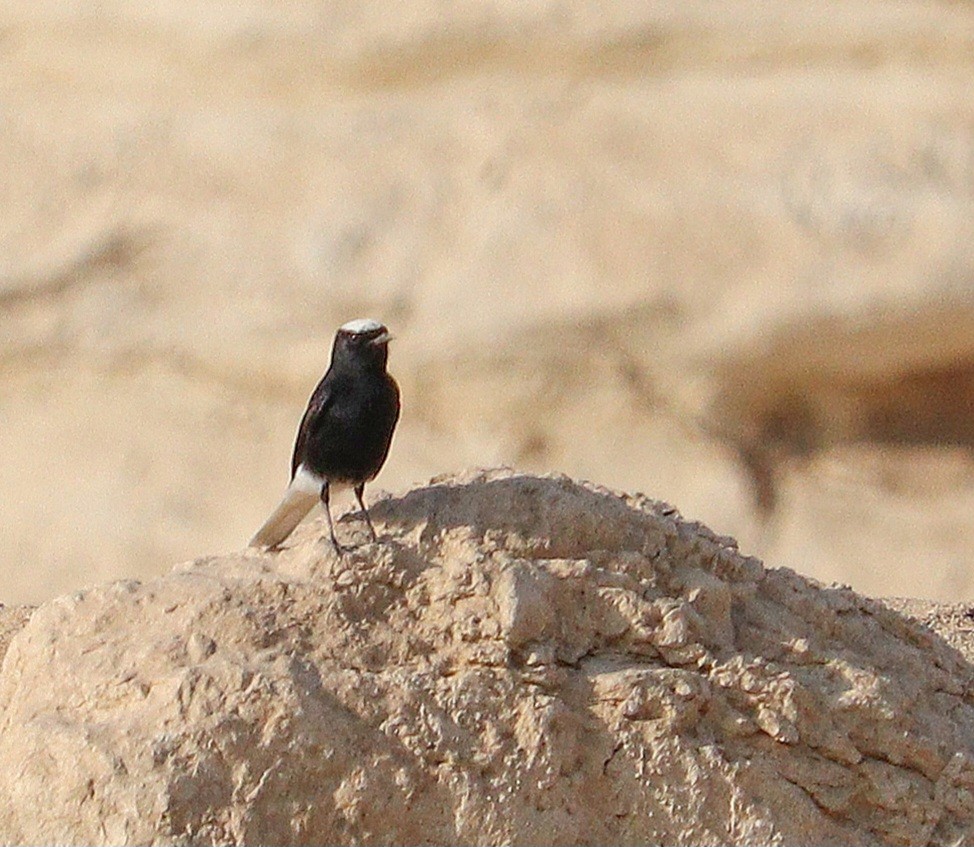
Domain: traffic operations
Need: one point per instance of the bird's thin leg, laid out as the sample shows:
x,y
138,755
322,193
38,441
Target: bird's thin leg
x,y
359,491
331,526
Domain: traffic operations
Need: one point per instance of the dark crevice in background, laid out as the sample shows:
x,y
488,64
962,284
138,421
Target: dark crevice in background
x,y
931,408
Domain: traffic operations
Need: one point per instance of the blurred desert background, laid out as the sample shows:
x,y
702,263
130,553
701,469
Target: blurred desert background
x,y
719,253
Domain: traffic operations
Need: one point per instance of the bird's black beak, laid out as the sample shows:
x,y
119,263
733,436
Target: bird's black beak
x,y
385,338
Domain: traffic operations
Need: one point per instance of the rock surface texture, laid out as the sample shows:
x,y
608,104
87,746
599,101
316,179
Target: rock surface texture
x,y
519,660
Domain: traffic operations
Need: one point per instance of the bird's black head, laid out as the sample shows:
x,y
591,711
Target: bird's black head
x,y
361,343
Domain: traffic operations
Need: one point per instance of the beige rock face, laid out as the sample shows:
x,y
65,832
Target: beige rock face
x,y
518,660
694,250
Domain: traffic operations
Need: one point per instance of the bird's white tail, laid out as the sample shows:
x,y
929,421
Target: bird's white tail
x,y
291,511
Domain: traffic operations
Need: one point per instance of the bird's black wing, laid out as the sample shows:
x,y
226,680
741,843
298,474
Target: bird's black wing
x,y
321,399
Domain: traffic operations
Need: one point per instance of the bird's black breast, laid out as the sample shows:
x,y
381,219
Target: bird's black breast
x,y
347,429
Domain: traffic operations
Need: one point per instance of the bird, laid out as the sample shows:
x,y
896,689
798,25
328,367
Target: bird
x,y
345,434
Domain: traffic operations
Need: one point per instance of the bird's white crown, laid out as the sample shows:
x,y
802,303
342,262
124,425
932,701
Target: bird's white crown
x,y
360,325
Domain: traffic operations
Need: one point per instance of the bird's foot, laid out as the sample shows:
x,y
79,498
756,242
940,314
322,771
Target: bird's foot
x,y
368,523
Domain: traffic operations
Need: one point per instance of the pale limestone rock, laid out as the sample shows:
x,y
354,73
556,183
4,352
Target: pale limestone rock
x,y
519,660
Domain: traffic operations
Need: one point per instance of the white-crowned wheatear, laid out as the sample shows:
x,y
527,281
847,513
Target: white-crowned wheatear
x,y
344,436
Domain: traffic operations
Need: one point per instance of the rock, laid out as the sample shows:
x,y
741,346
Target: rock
x,y
519,660
12,620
